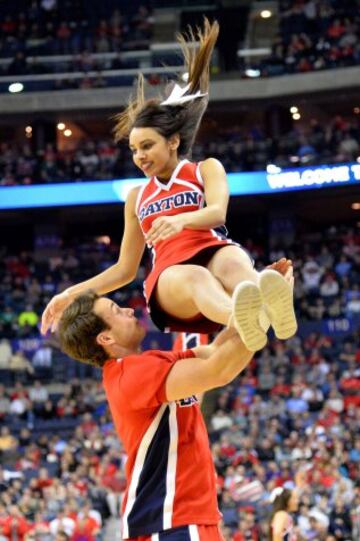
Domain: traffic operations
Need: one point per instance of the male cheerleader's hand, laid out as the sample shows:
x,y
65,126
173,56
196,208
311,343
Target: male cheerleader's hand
x,y
53,312
163,228
285,267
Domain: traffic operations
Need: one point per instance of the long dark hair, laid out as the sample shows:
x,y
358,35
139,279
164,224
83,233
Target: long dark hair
x,y
170,119
281,503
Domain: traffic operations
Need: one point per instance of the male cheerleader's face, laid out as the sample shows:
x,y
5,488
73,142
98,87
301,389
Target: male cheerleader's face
x,y
152,153
125,330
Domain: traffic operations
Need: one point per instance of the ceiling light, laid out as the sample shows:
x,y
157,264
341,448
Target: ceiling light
x,y
61,126
67,133
294,109
265,14
16,87
103,239
28,129
296,116
252,72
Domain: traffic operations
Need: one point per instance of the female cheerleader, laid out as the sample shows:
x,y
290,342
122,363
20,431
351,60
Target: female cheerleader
x,y
284,502
178,214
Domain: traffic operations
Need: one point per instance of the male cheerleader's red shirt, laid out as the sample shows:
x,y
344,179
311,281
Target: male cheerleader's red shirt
x,y
171,479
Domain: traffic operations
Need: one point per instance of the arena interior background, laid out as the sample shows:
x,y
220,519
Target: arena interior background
x,y
284,119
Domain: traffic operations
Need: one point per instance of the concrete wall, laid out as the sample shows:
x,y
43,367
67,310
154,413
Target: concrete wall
x,y
222,90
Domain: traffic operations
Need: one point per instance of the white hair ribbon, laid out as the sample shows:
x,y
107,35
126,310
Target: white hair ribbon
x,y
178,96
275,493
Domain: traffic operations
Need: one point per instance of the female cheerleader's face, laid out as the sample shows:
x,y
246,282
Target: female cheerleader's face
x,y
152,153
293,502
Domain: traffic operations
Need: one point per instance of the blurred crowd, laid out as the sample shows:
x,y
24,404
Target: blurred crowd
x,y
75,469
51,27
314,35
312,143
90,161
296,406
58,481
85,39
46,478
28,282
327,277
327,274
239,149
326,266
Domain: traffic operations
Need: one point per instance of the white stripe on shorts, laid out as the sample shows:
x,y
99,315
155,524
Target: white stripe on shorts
x,y
194,533
155,537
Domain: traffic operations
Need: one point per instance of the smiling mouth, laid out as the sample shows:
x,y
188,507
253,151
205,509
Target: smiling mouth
x,y
146,166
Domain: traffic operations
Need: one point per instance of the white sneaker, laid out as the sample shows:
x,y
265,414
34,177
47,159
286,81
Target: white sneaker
x,y
277,296
264,320
247,303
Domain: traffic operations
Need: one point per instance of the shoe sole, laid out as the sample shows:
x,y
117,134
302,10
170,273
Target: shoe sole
x,y
264,321
247,303
277,295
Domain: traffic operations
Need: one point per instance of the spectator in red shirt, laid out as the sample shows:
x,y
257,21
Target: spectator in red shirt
x,y
336,30
86,527
15,526
247,530
281,388
88,424
44,480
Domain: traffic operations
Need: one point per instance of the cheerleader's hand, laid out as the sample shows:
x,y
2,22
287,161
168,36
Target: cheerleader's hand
x,y
163,228
281,265
285,267
54,311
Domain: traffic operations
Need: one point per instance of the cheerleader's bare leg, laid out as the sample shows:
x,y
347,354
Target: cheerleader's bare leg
x,y
185,290
233,268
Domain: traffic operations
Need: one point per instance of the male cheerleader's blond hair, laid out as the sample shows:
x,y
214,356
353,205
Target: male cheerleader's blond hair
x,y
182,110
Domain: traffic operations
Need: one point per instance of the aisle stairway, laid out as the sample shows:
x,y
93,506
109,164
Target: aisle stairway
x,y
112,530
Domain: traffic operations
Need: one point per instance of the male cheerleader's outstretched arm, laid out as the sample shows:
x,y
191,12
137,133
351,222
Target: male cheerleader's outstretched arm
x,y
118,275
204,352
213,215
194,376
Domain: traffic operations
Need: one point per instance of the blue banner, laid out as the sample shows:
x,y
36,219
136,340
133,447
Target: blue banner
x,y
274,180
339,327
